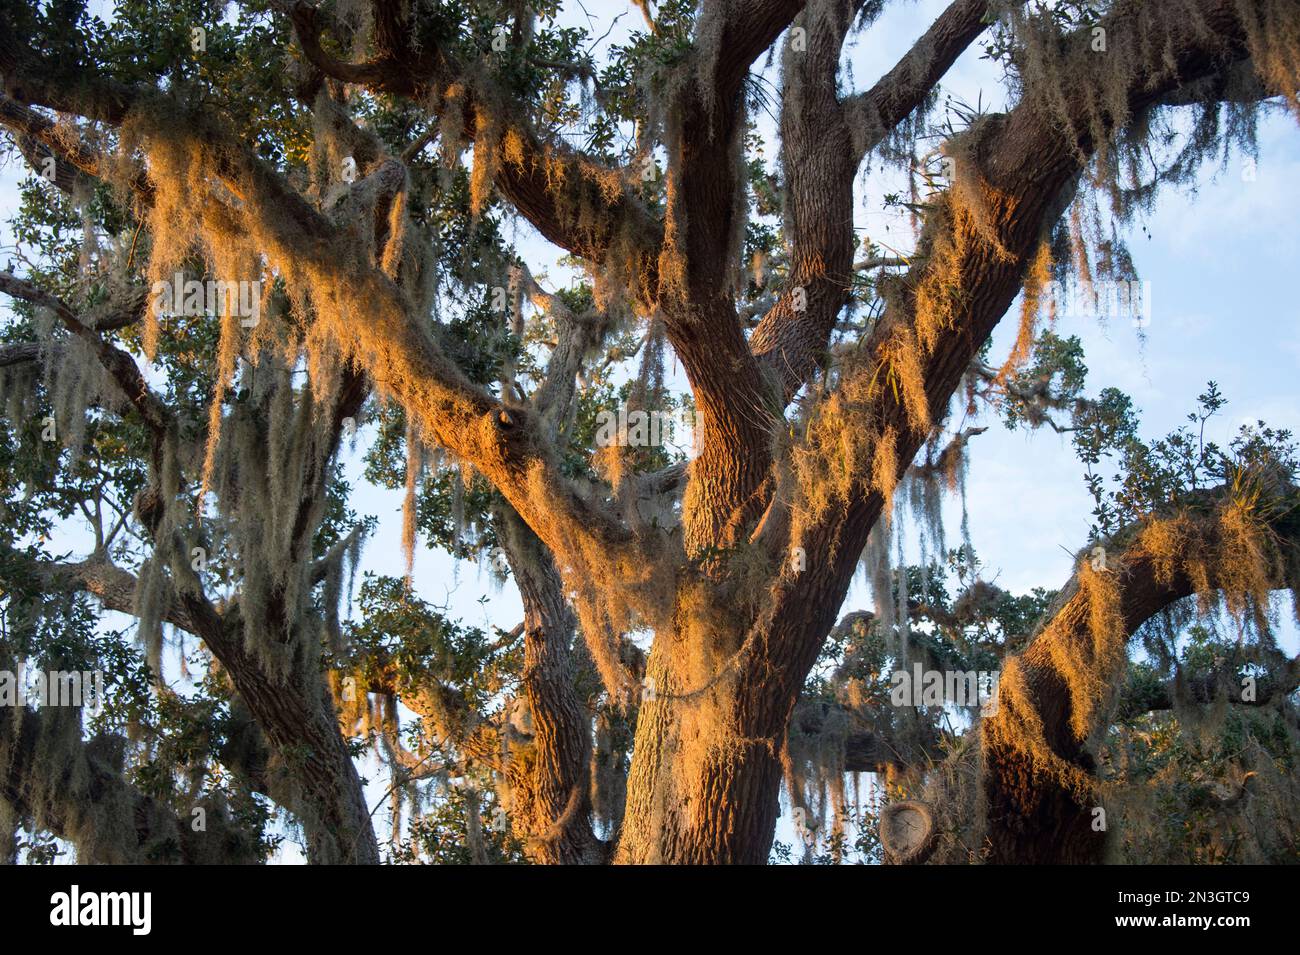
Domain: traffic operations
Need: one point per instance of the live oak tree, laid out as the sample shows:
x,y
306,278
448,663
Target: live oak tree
x,y
349,173
1185,755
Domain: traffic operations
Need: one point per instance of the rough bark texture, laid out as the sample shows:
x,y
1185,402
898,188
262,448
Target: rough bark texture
x,y
1035,813
727,665
552,804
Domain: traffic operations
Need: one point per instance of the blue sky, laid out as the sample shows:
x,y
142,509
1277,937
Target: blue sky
x,y
1219,266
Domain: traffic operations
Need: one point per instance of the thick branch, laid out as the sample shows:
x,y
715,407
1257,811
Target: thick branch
x,y
120,365
557,811
824,140
39,138
546,182
867,750
1027,164
113,586
750,27
76,790
1205,689
816,156
875,113
1058,694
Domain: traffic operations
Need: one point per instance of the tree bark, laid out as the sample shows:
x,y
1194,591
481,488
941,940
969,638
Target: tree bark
x,y
76,790
552,802
1041,802
322,786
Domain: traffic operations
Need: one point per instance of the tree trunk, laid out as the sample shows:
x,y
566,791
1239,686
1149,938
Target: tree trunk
x,y
297,716
1033,817
552,803
699,793
327,796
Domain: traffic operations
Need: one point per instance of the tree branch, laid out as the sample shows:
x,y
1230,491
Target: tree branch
x,y
868,750
85,799
547,183
1027,164
394,346
1059,693
875,113
120,365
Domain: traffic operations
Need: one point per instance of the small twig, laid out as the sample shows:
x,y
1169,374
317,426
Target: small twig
x,y
130,258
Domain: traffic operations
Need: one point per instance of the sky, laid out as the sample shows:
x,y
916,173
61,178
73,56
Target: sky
x,y
1219,267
